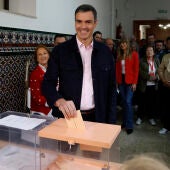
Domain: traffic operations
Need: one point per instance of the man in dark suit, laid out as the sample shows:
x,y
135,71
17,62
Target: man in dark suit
x,y
86,74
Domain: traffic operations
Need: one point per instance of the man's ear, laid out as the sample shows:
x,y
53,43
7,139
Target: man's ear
x,y
96,22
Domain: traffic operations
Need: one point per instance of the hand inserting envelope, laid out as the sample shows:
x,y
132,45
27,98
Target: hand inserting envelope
x,y
76,122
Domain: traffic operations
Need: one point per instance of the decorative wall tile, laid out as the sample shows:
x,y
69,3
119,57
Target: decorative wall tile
x,y
22,36
12,81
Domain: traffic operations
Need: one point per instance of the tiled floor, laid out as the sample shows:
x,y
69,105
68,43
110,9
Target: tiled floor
x,y
145,139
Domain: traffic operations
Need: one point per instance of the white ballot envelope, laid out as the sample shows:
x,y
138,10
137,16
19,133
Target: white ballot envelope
x,y
76,122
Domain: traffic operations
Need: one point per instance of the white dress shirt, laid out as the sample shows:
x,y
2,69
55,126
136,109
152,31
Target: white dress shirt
x,y
87,96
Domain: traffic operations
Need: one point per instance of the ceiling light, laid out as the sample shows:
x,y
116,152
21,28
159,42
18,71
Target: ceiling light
x,y
164,26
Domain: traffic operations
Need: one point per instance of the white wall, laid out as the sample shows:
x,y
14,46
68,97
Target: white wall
x,y
24,7
129,10
58,16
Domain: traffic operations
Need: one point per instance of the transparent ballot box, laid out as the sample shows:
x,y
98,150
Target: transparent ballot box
x,y
19,141
96,147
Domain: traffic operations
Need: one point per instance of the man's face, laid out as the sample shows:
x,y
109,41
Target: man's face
x,y
159,46
85,25
98,37
151,39
110,44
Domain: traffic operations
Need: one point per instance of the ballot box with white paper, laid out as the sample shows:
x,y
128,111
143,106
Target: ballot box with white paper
x,y
19,141
75,144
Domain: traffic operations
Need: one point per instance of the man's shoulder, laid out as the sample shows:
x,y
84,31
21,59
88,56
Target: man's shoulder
x,y
166,56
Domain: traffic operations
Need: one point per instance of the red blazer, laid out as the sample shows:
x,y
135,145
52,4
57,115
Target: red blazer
x,y
131,69
37,99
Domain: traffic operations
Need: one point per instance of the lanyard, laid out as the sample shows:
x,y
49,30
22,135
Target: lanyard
x,y
151,64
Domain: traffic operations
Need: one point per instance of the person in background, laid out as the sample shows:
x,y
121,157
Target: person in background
x,y
142,45
150,42
147,86
159,49
135,47
38,101
144,162
133,43
159,53
97,35
127,68
58,39
85,69
167,49
110,43
164,74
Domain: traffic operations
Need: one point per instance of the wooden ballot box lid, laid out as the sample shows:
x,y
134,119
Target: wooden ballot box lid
x,y
95,134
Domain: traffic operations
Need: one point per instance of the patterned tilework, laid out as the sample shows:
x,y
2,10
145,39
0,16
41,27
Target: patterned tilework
x,y
24,37
16,36
12,81
20,37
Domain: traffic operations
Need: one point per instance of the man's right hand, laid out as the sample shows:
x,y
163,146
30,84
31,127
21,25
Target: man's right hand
x,y
66,107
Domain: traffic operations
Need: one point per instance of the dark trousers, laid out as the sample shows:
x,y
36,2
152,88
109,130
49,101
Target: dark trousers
x,y
147,102
159,103
165,116
88,117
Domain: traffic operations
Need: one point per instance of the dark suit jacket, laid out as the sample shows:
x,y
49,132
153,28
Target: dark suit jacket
x,y
66,64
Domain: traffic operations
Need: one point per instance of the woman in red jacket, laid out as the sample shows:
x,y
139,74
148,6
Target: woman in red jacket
x,y
38,101
127,68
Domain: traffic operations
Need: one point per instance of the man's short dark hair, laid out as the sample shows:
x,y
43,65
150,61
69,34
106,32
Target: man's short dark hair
x,y
159,41
86,8
59,36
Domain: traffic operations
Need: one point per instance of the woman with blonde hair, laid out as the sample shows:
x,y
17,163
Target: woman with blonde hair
x,y
127,68
142,162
